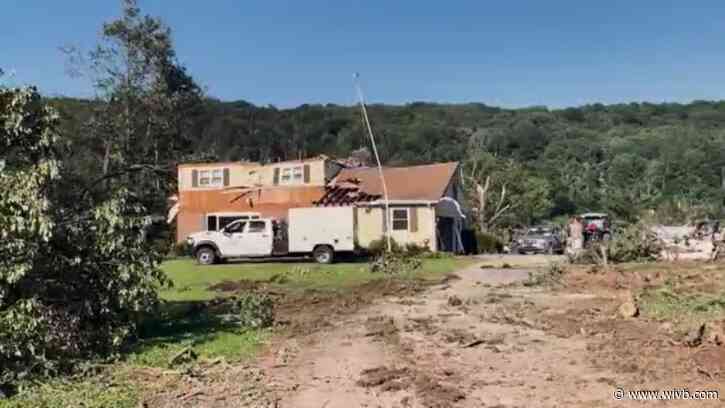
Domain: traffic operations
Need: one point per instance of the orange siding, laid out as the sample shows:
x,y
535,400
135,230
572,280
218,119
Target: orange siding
x,y
270,202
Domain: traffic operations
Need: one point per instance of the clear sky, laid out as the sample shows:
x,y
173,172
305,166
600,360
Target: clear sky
x,y
510,53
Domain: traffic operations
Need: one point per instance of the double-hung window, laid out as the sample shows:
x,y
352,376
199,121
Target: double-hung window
x,y
211,178
291,175
400,219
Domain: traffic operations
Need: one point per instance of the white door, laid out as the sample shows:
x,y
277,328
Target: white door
x,y
231,239
258,238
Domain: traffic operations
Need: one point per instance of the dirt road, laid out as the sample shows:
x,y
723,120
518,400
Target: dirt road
x,y
477,339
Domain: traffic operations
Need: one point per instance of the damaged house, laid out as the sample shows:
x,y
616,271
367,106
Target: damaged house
x,y
212,195
425,201
425,204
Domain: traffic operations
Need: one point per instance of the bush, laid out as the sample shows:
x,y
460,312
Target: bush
x,y
160,235
488,243
395,263
438,255
380,246
182,249
256,310
634,243
414,249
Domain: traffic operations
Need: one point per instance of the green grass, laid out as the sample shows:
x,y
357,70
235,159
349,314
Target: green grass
x,y
684,310
179,325
191,281
89,393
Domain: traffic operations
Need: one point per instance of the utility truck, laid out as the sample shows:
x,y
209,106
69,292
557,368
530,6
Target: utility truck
x,y
320,232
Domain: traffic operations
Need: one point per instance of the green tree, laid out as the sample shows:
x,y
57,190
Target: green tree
x,y
75,271
142,123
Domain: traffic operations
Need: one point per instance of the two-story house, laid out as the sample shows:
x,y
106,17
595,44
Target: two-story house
x,y
213,194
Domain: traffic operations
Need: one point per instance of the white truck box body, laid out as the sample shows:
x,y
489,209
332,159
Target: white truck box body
x,y
333,226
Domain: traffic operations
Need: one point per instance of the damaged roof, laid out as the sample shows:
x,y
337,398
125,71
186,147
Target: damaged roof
x,y
355,185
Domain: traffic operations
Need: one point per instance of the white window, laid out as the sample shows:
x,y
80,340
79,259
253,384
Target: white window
x,y
400,219
211,178
286,175
291,175
204,178
217,177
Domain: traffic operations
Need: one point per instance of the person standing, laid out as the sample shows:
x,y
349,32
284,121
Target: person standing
x,y
576,235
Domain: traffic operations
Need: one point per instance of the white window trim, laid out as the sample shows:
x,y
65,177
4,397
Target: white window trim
x,y
407,219
296,175
215,177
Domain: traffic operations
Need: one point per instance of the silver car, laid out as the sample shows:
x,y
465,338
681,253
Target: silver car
x,y
540,240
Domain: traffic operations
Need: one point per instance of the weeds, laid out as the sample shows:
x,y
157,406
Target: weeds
x,y
256,310
687,310
551,276
396,264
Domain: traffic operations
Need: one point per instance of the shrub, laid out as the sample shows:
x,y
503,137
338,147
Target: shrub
x,y
438,255
488,243
256,310
414,249
380,246
182,249
634,243
395,263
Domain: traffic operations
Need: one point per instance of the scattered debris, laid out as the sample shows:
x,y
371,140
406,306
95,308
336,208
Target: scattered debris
x,y
706,373
184,356
694,337
435,394
454,301
450,277
380,326
232,286
387,379
628,309
716,333
474,343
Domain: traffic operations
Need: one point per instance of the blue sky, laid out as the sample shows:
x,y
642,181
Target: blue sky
x,y
514,53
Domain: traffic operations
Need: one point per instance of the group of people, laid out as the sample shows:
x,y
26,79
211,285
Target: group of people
x,y
580,232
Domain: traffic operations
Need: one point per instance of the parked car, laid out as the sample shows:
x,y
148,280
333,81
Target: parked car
x,y
320,232
543,239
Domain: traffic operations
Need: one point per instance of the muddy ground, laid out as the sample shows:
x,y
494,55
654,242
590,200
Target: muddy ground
x,y
478,338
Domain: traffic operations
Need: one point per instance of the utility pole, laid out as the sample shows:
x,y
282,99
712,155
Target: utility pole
x,y
388,222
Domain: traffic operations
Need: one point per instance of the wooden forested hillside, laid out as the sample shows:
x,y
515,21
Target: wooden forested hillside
x,y
619,158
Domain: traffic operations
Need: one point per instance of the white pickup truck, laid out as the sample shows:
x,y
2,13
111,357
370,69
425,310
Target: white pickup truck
x,y
320,232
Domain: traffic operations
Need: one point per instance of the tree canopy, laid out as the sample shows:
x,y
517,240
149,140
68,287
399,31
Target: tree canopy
x,y
618,158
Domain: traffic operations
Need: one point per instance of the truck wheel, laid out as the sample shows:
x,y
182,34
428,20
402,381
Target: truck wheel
x,y
205,256
323,254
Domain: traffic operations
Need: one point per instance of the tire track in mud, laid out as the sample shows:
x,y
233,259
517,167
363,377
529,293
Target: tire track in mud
x,y
468,342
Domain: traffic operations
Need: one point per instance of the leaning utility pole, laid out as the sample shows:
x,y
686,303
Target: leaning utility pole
x,y
388,225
